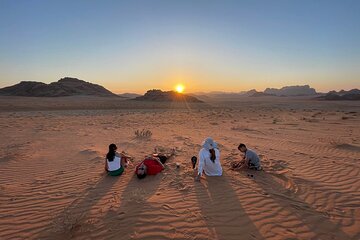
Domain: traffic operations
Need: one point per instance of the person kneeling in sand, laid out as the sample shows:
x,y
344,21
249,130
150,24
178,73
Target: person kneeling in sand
x,y
115,162
151,165
209,159
250,159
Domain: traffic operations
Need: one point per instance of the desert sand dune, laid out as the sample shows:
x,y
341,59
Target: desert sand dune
x,y
53,186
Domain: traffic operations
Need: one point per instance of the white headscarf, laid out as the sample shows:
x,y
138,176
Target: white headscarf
x,y
209,143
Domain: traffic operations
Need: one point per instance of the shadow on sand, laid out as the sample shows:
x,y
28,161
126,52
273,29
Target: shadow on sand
x,y
122,222
222,210
72,220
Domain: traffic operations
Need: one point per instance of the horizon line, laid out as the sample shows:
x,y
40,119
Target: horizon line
x,y
141,92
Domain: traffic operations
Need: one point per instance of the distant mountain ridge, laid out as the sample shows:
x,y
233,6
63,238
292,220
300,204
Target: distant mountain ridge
x,y
353,94
166,96
304,90
286,91
259,94
343,92
64,87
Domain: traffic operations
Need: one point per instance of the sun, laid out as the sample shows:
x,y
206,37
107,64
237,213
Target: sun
x,y
179,88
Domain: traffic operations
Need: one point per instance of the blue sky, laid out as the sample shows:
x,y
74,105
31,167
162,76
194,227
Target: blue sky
x,y
132,46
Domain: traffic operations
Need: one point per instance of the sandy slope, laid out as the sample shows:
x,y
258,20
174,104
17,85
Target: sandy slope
x,y
52,184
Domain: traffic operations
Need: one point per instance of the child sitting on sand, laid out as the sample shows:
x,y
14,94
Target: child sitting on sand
x,y
115,162
250,159
151,165
209,159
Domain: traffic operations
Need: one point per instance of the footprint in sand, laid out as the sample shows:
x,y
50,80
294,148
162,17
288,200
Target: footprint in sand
x,y
89,152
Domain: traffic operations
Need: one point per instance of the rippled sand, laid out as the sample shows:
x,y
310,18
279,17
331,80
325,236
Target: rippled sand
x,y
52,183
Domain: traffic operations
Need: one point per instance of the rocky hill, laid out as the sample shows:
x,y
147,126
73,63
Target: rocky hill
x,y
305,90
64,87
353,94
169,96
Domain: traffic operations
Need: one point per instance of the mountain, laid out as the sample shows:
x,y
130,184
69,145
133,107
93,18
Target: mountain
x,y
169,96
223,95
305,90
64,87
284,91
129,95
250,92
353,94
259,94
343,92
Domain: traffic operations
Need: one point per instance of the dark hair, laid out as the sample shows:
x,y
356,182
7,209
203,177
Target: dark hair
x,y
241,145
111,154
141,176
213,156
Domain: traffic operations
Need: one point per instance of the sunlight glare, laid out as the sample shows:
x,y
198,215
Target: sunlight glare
x,y
180,88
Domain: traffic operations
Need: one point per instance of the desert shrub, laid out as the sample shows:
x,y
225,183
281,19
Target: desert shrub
x,y
144,133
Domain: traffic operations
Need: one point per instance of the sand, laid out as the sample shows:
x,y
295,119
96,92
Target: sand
x,y
53,185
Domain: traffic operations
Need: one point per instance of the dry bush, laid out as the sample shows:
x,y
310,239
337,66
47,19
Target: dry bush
x,y
144,133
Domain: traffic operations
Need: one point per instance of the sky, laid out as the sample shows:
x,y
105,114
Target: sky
x,y
133,46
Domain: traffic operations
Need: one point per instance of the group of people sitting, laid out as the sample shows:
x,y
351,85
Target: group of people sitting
x,y
209,161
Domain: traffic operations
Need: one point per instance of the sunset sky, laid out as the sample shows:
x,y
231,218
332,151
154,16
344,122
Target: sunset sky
x,y
132,46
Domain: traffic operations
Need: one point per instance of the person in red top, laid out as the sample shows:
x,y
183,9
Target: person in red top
x,y
150,166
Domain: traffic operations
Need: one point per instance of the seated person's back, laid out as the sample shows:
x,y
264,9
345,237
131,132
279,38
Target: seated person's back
x,y
209,159
115,164
210,168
